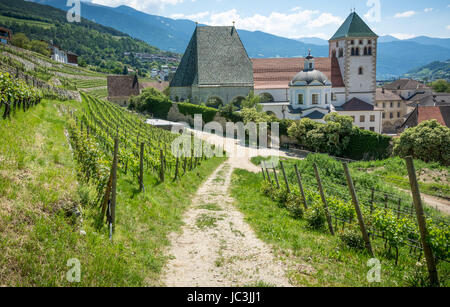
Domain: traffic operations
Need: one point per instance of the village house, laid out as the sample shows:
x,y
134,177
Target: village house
x,y
5,35
122,87
62,56
441,113
394,109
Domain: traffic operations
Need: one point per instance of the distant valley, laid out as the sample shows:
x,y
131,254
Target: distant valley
x,y
395,57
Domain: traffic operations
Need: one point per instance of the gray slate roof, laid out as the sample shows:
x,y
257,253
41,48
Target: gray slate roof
x,y
214,56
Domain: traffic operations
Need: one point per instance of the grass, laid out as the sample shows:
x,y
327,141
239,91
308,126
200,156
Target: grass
x,y
393,170
206,221
317,258
39,192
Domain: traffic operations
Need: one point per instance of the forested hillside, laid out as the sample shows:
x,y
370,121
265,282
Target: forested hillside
x,y
433,71
97,45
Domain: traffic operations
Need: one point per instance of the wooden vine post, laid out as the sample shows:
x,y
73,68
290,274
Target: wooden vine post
x,y
161,170
176,167
268,174
114,183
431,263
300,185
263,173
285,177
275,174
141,169
324,199
362,225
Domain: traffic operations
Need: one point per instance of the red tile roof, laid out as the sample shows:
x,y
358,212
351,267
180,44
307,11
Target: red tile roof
x,y
428,113
276,73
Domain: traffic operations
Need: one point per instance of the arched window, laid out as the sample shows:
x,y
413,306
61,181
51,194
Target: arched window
x,y
266,97
369,51
341,52
365,51
360,71
214,102
357,51
237,102
353,51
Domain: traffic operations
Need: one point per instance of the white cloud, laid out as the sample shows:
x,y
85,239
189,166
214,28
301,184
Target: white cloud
x,y
427,10
448,27
403,35
405,14
297,23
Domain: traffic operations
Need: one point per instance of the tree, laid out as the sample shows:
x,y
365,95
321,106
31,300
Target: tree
x,y
40,47
441,86
20,40
125,70
429,141
252,101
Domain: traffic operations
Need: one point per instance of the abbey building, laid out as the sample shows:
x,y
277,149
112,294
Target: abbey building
x,y
216,66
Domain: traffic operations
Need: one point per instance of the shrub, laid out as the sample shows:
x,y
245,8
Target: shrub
x,y
429,141
152,101
315,217
339,138
352,238
294,204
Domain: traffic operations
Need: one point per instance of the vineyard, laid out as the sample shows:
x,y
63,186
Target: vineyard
x,y
16,94
94,131
389,215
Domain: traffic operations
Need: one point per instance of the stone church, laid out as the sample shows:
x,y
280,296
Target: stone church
x,y
216,65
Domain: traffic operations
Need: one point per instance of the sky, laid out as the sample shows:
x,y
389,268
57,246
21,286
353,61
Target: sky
x,y
298,18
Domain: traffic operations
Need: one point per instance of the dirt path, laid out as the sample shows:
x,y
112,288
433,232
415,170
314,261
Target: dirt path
x,y
440,204
217,248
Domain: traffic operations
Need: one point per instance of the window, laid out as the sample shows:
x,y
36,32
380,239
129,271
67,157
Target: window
x,y
360,71
357,51
361,42
333,97
315,98
392,105
310,66
372,118
369,52
341,52
384,104
362,119
399,105
391,115
369,42
365,51
326,98
384,115
352,42
337,44
353,119
353,51
333,54
372,129
300,98
398,114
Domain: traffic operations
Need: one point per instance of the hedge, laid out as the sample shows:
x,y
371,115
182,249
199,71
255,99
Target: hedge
x,y
192,109
367,145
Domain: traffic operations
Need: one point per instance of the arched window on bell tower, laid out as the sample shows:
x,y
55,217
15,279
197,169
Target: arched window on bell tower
x,y
360,71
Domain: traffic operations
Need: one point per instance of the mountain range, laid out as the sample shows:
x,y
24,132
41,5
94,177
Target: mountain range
x,y
395,57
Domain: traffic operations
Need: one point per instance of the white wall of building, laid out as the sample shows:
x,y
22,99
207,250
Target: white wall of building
x,y
279,95
366,123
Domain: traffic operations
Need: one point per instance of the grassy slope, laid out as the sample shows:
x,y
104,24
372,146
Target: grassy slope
x,y
38,186
394,171
334,264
